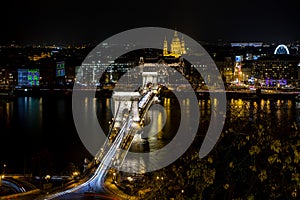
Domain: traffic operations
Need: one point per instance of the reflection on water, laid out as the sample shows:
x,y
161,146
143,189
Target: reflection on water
x,y
38,135
241,114
30,124
278,113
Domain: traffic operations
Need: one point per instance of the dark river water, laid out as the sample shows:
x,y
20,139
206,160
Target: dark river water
x,y
38,134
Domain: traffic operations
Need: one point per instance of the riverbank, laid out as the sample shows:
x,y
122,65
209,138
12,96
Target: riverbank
x,y
57,92
242,94
202,94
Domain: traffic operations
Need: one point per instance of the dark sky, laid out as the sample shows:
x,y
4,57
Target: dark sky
x,y
68,21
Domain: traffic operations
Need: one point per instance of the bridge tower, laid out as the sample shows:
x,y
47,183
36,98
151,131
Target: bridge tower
x,y
125,105
150,77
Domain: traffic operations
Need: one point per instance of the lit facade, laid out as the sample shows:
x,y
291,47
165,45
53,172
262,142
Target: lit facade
x,y
29,77
177,47
276,70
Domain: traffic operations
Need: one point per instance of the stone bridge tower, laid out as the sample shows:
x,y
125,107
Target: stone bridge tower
x,y
125,105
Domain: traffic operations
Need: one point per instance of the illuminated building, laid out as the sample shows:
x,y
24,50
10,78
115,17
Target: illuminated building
x,y
246,44
226,67
277,70
238,70
60,73
177,46
6,77
28,77
38,57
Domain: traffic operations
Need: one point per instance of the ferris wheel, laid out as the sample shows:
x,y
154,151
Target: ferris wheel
x,y
281,49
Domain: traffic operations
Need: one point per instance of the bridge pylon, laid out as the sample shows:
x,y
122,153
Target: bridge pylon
x,y
150,77
125,105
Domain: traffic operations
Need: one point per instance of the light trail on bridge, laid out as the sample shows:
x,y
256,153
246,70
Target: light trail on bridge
x,y
110,154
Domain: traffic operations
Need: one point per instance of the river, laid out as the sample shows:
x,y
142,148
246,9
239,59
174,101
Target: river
x,y
38,134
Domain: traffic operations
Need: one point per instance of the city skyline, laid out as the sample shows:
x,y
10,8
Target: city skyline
x,y
56,98
90,21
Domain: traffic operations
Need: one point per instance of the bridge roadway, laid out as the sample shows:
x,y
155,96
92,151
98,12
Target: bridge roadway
x,y
92,184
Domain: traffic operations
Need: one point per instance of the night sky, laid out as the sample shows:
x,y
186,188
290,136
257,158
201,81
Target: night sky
x,y
70,21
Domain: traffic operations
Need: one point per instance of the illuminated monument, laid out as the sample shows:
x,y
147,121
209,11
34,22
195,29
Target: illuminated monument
x,y
177,47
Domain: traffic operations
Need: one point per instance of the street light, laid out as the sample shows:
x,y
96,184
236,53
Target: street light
x,y
4,166
114,177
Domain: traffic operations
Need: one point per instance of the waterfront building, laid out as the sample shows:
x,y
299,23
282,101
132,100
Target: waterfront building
x,y
277,70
